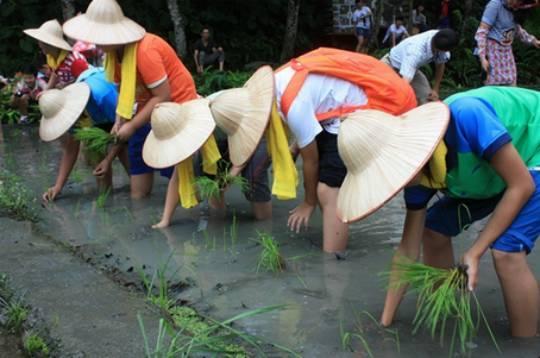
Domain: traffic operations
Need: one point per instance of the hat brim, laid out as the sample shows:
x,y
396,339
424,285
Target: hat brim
x,y
414,137
163,153
244,142
120,33
77,96
44,37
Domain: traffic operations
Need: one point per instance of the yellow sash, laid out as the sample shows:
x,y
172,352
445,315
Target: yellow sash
x,y
437,167
128,84
285,174
54,63
186,175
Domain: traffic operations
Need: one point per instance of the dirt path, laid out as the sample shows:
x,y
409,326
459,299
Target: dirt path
x,y
84,309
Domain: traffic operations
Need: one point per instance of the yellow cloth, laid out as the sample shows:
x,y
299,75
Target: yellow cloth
x,y
437,167
186,175
54,63
128,84
285,174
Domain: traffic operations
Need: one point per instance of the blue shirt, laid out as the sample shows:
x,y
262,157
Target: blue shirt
x,y
103,96
501,19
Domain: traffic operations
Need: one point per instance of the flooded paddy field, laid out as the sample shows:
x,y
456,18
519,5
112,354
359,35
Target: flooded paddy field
x,y
212,257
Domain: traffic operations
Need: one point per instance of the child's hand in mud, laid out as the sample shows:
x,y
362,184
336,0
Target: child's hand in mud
x,y
50,194
102,168
299,217
161,225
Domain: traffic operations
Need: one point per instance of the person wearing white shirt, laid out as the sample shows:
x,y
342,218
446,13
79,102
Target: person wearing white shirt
x,y
419,50
362,19
396,32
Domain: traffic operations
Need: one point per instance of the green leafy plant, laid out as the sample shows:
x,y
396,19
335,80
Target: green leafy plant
x,y
102,198
270,258
35,346
443,297
15,200
16,313
95,140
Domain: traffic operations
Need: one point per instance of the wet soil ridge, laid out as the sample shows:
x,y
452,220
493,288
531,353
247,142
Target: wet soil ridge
x,y
183,332
25,323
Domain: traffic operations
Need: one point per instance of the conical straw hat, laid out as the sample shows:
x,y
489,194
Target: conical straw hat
x,y
50,33
178,131
104,23
383,153
61,109
243,113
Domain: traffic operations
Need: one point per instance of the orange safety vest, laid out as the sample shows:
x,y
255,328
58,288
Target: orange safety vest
x,y
385,90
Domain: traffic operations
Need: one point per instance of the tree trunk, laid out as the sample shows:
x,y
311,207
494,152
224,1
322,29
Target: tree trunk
x,y
291,30
178,23
466,14
411,13
379,12
68,9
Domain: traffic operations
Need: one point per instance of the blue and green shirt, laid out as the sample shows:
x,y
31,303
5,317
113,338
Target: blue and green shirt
x,y
482,122
103,96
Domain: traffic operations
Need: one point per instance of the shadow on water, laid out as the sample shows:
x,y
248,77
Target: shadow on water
x,y
215,251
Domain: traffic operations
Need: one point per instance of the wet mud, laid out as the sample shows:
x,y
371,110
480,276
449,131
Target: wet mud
x,y
214,257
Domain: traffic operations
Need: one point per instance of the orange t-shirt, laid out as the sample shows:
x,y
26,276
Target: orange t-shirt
x,y
156,62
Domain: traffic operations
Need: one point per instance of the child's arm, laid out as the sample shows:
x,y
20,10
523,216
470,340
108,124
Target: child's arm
x,y
70,152
171,202
53,81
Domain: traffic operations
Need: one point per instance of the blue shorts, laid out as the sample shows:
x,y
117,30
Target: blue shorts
x,y
365,33
137,166
449,216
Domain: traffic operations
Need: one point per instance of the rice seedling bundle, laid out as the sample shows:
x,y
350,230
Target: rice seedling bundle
x,y
209,188
96,140
443,297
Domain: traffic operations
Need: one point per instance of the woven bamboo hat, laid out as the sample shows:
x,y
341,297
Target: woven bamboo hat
x,y
178,131
243,113
383,153
61,109
104,23
50,33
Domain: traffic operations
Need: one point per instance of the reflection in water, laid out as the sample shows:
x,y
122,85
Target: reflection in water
x,y
216,250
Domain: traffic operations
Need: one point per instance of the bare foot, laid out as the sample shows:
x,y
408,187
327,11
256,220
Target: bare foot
x,y
161,225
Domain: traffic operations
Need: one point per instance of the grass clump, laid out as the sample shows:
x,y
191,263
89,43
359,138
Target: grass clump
x,y
95,140
443,297
15,200
270,258
35,346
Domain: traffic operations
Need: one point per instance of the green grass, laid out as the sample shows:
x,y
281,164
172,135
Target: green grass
x,y
15,200
270,258
35,346
95,140
443,299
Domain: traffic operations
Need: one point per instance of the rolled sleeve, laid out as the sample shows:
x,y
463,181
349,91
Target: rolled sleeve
x,y
151,67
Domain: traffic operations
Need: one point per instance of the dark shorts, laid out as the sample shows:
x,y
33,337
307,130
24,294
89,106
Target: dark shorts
x,y
365,33
332,170
107,127
255,172
137,166
449,216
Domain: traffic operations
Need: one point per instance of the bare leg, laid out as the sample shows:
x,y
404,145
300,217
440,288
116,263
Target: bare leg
x,y
520,291
124,158
335,232
262,211
360,43
141,185
438,251
171,202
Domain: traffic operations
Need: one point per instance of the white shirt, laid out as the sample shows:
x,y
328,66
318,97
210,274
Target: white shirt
x,y
362,17
414,52
393,29
319,94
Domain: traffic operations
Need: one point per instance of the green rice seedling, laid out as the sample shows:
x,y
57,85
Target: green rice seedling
x,y
443,297
35,346
77,176
96,140
15,200
270,258
209,188
102,198
17,314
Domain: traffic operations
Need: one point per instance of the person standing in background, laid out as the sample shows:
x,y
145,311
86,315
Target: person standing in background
x,y
444,18
207,53
363,21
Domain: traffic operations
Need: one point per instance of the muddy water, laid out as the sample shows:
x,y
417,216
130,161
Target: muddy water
x,y
323,295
